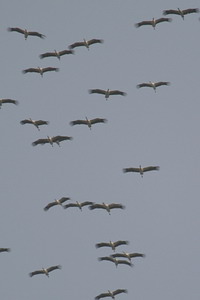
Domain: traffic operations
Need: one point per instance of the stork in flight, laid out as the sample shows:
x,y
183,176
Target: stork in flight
x,y
107,92
45,271
26,33
128,255
107,207
153,22
40,70
2,101
153,85
116,261
86,43
56,202
180,12
78,204
141,170
111,294
112,245
57,54
36,123
55,139
88,122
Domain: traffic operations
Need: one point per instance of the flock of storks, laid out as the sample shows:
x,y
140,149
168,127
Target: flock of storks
x,y
114,258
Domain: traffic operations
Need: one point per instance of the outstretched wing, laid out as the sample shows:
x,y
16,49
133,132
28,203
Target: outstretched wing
x,y
35,33
118,243
103,295
36,273
50,205
126,170
98,120
119,291
17,29
115,205
78,122
63,199
163,20
143,23
117,92
47,54
31,70
77,44
136,255
144,84
40,141
96,205
151,168
86,203
97,91
9,101
49,69
162,83
60,138
190,11
4,249
99,245
94,41
171,12
58,267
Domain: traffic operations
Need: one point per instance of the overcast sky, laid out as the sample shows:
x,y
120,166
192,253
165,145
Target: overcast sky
x,y
161,215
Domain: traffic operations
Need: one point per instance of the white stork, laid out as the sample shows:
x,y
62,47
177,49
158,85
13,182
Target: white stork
x,y
26,33
40,70
88,122
112,245
111,294
56,202
153,22
107,92
107,207
141,170
153,85
55,139
36,123
57,54
45,271
180,12
86,43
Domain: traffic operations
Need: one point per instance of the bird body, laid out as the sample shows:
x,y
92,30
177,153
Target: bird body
x,y
56,202
111,294
180,12
112,245
57,54
2,101
107,207
36,123
40,70
107,92
85,43
45,271
88,122
153,22
141,170
55,139
78,204
153,85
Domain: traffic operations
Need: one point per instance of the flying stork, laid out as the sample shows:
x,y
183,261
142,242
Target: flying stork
x,y
2,101
180,12
86,43
128,255
153,85
57,54
112,245
56,202
153,22
107,92
78,204
55,139
26,33
107,207
36,123
45,271
40,70
141,170
88,122
116,261
111,294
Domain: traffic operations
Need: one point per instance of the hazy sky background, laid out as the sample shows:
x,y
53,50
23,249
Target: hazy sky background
x,y
145,128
